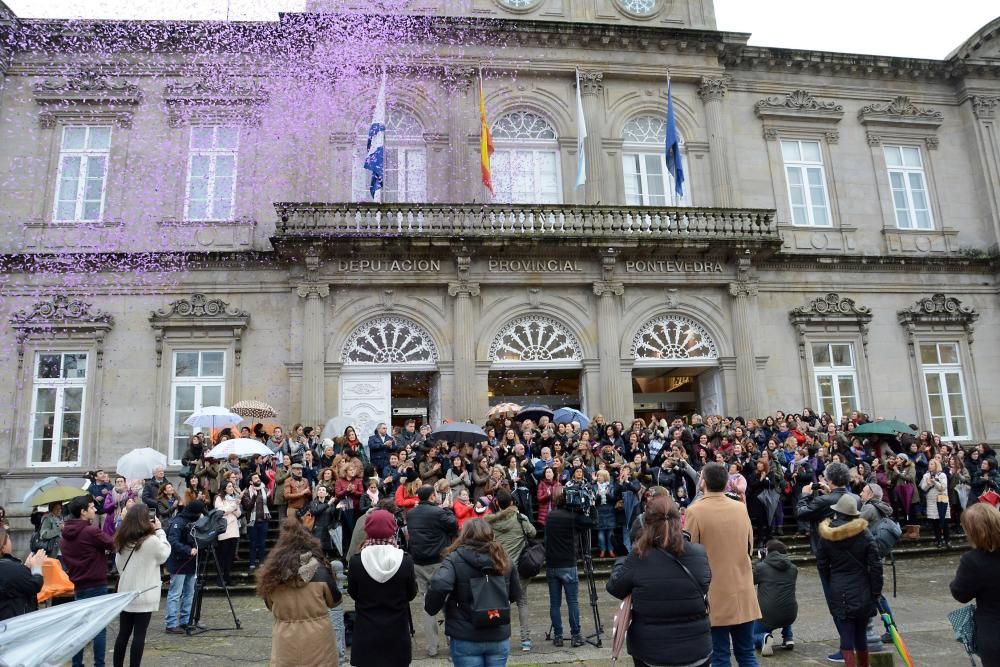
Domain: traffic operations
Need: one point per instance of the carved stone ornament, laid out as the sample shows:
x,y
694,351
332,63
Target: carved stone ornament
x,y
712,89
798,104
86,97
389,341
61,315
830,310
207,101
313,290
458,79
201,313
937,312
608,288
984,106
463,288
591,82
673,337
535,338
900,111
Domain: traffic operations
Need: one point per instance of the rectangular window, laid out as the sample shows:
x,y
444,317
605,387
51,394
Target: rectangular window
x,y
836,378
198,382
83,168
806,182
405,176
909,187
648,183
526,176
945,390
57,408
211,178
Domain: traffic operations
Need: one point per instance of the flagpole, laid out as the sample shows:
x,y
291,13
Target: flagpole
x,y
673,190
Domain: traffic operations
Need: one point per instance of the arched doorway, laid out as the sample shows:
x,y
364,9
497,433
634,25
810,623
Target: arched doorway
x,y
535,359
389,374
675,368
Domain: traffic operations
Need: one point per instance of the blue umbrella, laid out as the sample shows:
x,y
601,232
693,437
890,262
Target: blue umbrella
x,y
567,415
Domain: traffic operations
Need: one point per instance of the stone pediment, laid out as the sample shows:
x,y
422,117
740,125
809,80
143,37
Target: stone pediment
x,y
938,309
203,314
900,111
983,46
61,316
798,105
831,307
206,101
86,96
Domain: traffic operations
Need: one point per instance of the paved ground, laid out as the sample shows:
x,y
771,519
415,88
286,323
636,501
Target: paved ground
x,y
920,608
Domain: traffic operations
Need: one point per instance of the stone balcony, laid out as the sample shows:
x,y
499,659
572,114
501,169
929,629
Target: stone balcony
x,y
528,223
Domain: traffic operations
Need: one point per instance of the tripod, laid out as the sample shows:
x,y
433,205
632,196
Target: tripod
x,y
201,574
588,574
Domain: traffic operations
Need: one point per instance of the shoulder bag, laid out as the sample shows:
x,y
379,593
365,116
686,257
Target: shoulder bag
x,y
532,557
697,584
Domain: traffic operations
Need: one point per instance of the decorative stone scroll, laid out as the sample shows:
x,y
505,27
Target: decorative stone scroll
x,y
671,337
202,313
214,102
830,310
61,315
937,312
389,341
800,105
535,338
86,97
984,106
900,111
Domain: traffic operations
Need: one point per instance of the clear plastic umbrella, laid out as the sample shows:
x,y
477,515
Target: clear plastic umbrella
x,y
140,463
30,640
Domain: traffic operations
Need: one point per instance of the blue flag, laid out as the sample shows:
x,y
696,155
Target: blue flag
x,y
375,159
674,165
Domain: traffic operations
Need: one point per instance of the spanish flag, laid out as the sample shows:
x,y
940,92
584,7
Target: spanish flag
x,y
485,140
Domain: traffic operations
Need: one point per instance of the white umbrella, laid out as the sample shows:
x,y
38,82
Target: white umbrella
x,y
55,489
335,427
213,417
140,463
29,640
242,447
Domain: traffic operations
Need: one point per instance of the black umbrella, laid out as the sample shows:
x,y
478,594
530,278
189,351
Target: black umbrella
x,y
460,433
533,412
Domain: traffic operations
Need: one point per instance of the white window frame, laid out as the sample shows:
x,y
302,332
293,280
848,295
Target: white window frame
x,y
942,370
803,166
404,140
905,173
651,144
835,373
212,154
535,150
198,382
86,155
60,385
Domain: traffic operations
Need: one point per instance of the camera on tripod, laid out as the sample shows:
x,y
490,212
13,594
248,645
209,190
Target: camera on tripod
x,y
579,499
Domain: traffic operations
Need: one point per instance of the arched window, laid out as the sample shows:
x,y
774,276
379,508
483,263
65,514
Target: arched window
x,y
526,162
405,160
389,341
673,337
535,338
647,181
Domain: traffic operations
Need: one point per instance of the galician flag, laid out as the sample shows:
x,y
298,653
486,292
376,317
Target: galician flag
x,y
485,140
375,160
673,146
581,136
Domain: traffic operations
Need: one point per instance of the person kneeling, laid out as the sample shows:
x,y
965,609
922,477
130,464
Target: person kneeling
x,y
775,577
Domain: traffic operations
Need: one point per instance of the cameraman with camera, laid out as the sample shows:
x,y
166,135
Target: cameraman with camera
x,y
181,566
571,513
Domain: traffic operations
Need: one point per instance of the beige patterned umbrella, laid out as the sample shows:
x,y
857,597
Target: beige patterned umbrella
x,y
254,410
503,410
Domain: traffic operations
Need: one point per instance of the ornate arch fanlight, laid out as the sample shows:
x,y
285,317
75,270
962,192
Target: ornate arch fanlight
x,y
389,340
535,338
671,337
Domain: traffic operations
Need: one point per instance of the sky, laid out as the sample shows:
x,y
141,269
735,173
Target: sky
x,y
909,28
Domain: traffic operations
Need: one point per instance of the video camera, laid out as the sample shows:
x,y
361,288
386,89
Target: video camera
x,y
579,499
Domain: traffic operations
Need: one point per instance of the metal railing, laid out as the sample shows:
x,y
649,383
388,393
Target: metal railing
x,y
514,220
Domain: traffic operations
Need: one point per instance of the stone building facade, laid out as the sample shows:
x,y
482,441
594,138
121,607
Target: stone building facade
x,y
173,238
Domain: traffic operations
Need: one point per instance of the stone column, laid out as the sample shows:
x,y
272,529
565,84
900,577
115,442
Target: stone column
x,y
464,343
592,93
461,85
313,353
611,401
711,92
744,306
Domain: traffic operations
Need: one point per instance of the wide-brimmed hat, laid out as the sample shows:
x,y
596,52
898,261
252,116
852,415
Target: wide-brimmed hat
x,y
847,505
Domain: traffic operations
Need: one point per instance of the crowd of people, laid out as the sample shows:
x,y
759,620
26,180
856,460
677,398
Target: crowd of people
x,y
408,515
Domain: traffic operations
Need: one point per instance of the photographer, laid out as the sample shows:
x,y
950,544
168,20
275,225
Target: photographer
x,y
181,567
431,530
561,528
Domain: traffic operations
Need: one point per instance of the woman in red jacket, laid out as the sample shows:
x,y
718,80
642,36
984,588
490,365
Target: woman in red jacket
x,y
546,487
406,494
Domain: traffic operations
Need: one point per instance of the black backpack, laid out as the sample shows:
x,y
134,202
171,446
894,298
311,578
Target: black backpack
x,y
490,599
206,530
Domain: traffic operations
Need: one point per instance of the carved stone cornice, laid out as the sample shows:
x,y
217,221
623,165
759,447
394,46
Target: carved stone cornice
x,y
608,288
712,88
200,312
61,315
900,111
591,82
832,309
214,101
313,290
798,105
86,97
463,288
458,79
873,139
984,106
937,311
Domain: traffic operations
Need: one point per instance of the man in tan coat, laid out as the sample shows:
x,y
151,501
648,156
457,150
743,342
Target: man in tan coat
x,y
722,526
297,492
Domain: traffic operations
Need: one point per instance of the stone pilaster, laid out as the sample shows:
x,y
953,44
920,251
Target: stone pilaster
x,y
592,94
313,353
744,306
464,343
986,110
711,92
463,123
611,400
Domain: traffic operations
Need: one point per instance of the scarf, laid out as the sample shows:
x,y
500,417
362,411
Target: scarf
x,y
390,541
373,494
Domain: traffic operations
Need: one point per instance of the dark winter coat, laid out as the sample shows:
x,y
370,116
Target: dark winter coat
x,y
382,614
606,506
451,590
18,588
179,536
976,577
84,548
849,562
775,578
670,624
431,530
323,514
816,507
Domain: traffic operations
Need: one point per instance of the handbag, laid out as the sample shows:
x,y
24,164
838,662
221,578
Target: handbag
x,y
991,497
532,557
963,622
623,619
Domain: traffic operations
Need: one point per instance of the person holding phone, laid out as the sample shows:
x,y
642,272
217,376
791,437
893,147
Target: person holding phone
x,y
140,548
